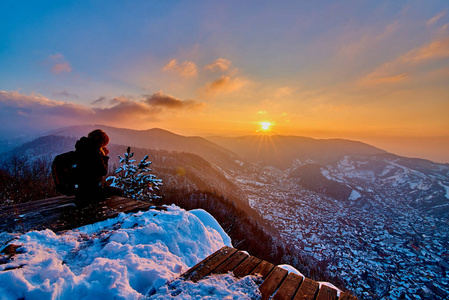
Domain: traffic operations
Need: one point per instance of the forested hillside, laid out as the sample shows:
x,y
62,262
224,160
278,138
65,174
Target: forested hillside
x,y
188,181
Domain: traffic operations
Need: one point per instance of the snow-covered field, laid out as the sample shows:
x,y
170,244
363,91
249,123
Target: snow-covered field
x,y
129,257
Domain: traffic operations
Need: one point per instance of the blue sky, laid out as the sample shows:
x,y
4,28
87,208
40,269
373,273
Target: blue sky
x,y
375,71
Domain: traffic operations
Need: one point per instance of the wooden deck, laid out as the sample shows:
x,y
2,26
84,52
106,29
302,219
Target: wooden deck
x,y
277,283
61,213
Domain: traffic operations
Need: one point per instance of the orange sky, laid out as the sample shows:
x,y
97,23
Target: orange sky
x,y
376,72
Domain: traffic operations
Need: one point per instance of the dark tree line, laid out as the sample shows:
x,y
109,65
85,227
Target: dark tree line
x,y
23,180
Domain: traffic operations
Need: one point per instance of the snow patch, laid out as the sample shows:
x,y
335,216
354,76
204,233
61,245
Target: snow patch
x,y
224,286
355,195
291,269
121,258
446,188
209,221
331,286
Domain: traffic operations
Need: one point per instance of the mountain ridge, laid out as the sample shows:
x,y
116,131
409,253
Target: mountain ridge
x,y
282,151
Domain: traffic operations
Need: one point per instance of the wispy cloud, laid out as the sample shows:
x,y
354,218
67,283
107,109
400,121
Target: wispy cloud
x,y
224,85
401,68
187,69
59,64
436,18
435,50
220,64
65,93
283,92
358,41
378,78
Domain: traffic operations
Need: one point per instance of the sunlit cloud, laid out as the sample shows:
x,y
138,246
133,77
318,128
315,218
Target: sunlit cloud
x,y
223,85
375,78
283,92
360,40
400,69
436,18
220,64
187,69
59,64
166,101
262,112
36,111
435,50
61,67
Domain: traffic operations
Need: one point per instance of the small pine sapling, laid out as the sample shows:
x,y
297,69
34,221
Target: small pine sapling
x,y
135,180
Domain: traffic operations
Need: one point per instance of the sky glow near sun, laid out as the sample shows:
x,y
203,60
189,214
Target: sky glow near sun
x,y
374,71
265,126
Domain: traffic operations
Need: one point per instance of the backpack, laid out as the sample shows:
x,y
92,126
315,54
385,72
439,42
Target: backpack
x,y
64,172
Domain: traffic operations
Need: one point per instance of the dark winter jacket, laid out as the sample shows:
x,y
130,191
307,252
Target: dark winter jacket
x,y
92,166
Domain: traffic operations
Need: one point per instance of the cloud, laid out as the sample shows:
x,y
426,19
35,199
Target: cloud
x,y
165,101
223,85
403,66
435,50
358,40
61,67
436,18
220,64
283,92
38,112
33,113
99,101
59,64
65,93
187,69
374,79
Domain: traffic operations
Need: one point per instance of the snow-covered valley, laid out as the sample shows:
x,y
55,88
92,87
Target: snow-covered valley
x,y
381,237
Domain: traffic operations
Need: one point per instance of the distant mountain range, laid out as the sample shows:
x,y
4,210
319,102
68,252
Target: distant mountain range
x,y
159,139
342,169
283,152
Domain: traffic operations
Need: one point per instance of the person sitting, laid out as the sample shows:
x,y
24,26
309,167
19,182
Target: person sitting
x,y
92,167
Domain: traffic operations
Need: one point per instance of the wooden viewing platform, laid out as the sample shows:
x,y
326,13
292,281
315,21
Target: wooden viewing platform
x,y
277,282
61,213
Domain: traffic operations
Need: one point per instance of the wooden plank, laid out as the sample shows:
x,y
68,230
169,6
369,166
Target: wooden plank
x,y
246,266
46,217
289,287
326,293
231,263
307,290
134,206
19,209
61,213
11,249
199,264
346,296
272,282
115,202
38,202
262,269
207,268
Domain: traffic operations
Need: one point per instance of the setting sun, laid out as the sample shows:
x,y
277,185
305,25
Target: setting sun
x,y
265,126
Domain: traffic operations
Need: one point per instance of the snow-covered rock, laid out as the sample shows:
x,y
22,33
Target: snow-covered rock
x,y
125,257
